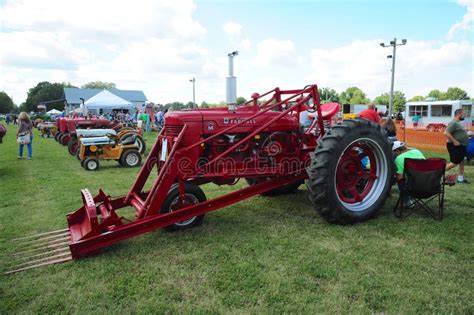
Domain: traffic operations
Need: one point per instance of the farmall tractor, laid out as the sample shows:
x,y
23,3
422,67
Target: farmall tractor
x,y
347,168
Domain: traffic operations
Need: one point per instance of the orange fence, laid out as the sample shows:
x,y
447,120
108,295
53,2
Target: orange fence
x,y
423,139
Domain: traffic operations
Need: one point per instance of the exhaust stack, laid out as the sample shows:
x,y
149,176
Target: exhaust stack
x,y
231,84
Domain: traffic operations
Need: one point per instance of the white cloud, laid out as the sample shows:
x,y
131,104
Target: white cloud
x,y
420,67
115,41
232,28
467,19
273,52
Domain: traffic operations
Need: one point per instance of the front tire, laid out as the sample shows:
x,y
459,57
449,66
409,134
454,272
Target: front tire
x,y
131,158
350,172
193,195
91,164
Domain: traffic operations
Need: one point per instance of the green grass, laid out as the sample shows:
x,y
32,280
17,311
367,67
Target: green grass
x,y
263,255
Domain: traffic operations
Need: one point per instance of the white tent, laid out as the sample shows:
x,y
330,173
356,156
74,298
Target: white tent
x,y
107,100
54,112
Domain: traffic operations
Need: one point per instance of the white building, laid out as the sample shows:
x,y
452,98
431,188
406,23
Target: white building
x,y
437,112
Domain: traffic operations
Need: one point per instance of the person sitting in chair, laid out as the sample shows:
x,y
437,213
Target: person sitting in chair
x,y
402,152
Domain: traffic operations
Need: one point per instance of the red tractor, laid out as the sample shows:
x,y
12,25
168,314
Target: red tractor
x,y
347,168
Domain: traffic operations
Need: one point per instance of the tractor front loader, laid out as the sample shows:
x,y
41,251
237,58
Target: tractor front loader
x,y
347,168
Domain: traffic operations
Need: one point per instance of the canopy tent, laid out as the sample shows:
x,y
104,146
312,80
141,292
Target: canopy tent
x,y
54,112
107,100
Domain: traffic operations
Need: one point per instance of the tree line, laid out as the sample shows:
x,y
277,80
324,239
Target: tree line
x,y
47,92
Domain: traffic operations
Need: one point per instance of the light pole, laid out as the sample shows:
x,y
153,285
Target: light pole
x,y
193,80
393,43
231,83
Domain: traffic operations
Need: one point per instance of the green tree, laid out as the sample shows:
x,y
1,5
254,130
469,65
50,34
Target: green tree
x,y
6,103
353,95
204,105
455,93
189,105
328,95
399,100
437,94
44,92
99,85
240,100
417,98
175,106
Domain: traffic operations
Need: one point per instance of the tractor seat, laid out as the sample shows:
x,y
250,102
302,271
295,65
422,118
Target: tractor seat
x,y
327,110
129,140
97,141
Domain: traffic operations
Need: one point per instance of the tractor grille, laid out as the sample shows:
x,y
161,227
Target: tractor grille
x,y
174,130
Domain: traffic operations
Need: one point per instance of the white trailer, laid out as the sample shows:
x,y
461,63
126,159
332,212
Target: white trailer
x,y
437,113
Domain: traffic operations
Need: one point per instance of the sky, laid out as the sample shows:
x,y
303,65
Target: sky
x,y
158,46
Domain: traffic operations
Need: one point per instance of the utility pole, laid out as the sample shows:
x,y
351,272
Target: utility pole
x,y
193,80
393,43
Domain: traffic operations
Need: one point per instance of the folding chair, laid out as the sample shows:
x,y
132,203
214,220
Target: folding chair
x,y
424,182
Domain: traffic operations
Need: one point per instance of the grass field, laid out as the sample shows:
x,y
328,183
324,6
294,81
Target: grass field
x,y
263,255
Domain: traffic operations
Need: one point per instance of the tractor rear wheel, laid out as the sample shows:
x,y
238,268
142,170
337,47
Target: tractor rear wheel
x,y
73,146
350,172
192,195
56,136
139,139
283,190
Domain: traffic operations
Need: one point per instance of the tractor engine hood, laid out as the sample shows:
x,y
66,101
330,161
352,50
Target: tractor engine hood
x,y
216,119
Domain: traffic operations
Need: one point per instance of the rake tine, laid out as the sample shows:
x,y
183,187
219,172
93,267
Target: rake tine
x,y
56,245
64,249
51,262
40,234
43,242
52,237
42,260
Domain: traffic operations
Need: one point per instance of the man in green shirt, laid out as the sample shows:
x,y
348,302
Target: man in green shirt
x,y
402,153
457,144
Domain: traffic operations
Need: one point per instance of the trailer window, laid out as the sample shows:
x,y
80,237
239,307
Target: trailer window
x,y
441,110
421,110
467,109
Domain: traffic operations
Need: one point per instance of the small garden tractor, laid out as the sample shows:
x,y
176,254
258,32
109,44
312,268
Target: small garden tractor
x,y
347,168
47,129
93,149
119,134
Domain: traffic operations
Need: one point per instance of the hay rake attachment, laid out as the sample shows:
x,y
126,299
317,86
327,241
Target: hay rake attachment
x,y
40,250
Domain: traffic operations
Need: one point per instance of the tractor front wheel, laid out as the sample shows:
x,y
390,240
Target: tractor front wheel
x,y
350,172
91,164
192,195
131,158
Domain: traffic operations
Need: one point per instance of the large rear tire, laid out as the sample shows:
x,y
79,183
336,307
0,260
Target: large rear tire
x,y
193,195
350,172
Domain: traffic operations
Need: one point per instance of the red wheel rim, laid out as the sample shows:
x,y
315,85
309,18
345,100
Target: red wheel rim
x,y
356,173
74,148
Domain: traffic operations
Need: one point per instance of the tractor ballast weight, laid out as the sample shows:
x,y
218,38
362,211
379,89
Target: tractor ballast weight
x,y
347,167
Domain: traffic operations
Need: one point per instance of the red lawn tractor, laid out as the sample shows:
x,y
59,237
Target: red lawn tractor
x,y
347,168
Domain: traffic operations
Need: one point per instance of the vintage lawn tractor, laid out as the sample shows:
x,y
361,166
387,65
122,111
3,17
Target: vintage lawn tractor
x,y
119,134
68,126
93,149
347,168
47,129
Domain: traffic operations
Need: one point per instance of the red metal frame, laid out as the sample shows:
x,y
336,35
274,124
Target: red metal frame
x,y
96,224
